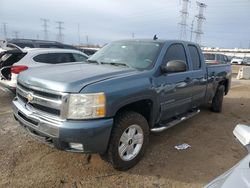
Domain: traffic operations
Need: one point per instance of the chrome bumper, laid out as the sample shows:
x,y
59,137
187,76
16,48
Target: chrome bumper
x,y
34,121
92,134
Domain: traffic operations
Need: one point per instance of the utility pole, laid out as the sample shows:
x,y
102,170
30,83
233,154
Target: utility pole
x,y
78,33
200,19
60,28
192,30
5,30
87,40
45,28
183,23
16,33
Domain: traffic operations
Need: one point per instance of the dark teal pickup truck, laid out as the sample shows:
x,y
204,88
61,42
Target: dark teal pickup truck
x,y
110,103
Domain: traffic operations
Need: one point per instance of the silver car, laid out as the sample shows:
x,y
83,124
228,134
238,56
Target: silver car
x,y
239,175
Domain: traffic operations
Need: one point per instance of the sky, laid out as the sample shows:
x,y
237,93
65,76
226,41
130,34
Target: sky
x,y
227,23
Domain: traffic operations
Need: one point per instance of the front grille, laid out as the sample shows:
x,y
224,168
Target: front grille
x,y
46,109
40,101
45,94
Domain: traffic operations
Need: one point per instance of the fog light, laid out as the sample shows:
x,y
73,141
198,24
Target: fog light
x,y
76,146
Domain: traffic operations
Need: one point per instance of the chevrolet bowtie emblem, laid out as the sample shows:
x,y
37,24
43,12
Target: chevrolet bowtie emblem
x,y
30,97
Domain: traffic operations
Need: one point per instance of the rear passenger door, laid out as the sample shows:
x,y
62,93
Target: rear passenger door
x,y
174,89
198,76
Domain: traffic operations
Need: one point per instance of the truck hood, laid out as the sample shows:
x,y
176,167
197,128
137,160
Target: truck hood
x,y
72,77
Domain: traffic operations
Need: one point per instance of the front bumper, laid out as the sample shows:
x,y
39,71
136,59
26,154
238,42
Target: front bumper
x,y
92,134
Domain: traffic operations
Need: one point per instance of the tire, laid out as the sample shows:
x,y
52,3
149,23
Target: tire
x,y
218,99
123,151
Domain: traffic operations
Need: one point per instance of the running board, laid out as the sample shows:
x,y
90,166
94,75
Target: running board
x,y
176,121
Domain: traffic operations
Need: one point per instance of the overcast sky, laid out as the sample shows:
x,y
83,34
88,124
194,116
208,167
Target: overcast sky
x,y
227,21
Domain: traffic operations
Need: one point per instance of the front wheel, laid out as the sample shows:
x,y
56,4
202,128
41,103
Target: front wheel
x,y
218,99
129,139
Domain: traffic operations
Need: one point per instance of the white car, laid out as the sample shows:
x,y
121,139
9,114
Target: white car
x,y
14,61
239,175
238,60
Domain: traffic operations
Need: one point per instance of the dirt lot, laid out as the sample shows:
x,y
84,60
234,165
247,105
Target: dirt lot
x,y
27,163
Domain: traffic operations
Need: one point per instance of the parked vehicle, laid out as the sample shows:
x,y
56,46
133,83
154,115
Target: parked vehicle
x,y
110,104
238,60
239,175
14,61
213,58
31,43
246,60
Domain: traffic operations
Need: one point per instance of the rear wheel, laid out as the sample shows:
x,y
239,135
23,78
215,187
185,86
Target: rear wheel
x,y
128,141
218,99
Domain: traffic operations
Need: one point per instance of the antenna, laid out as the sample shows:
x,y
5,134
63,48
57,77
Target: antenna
x,y
183,23
60,28
45,28
200,18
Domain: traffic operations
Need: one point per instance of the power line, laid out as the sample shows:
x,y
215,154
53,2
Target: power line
x,y
60,28
45,28
200,18
183,23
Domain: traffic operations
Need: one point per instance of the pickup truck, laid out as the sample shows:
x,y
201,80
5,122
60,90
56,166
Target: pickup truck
x,y
109,104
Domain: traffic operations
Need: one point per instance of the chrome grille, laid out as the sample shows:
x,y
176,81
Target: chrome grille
x,y
42,101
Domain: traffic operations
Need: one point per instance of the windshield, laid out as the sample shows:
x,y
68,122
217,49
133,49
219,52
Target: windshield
x,y
209,56
135,54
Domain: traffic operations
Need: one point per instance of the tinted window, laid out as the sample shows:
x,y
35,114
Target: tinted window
x,y
220,58
209,56
79,57
89,51
195,57
176,52
54,58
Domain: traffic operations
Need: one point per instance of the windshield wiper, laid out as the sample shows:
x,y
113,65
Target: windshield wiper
x,y
93,61
115,64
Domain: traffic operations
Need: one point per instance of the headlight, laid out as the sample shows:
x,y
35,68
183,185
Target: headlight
x,y
86,106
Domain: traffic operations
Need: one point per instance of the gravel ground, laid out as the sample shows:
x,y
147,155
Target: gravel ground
x,y
27,163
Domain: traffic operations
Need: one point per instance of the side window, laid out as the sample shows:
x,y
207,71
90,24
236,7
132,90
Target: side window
x,y
176,52
42,58
194,53
54,58
225,58
79,57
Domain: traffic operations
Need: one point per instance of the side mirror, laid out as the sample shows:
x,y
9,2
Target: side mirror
x,y
242,133
174,66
